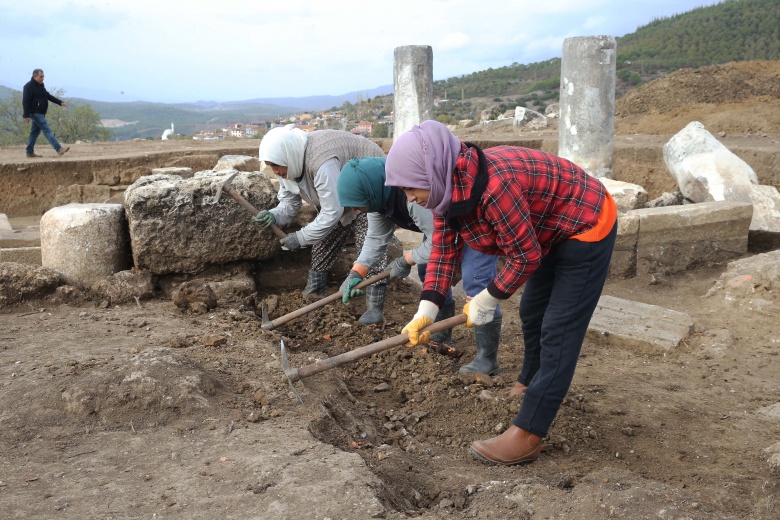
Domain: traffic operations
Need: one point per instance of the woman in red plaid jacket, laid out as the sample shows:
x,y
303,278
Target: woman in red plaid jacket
x,y
554,224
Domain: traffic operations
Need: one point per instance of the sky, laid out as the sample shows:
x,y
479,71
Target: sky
x,y
176,51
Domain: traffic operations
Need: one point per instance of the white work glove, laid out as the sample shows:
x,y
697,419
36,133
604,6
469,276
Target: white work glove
x,y
291,242
481,309
426,313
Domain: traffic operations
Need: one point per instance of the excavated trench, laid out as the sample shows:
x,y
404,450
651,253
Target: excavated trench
x,y
406,411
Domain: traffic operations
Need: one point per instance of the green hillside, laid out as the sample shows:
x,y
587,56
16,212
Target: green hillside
x,y
733,30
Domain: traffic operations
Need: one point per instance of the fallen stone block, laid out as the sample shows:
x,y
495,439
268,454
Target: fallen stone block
x,y
85,242
175,227
704,169
242,163
527,119
638,327
627,196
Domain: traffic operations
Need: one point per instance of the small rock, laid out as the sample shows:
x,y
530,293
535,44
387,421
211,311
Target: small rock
x,y
213,340
446,503
486,395
382,387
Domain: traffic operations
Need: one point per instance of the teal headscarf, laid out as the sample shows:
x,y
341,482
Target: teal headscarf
x,y
362,183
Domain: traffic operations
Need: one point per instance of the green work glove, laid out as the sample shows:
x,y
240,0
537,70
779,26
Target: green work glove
x,y
265,218
352,279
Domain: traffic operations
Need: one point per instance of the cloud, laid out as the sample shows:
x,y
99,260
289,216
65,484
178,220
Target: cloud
x,y
454,41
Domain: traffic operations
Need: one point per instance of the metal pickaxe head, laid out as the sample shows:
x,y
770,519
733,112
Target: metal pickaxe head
x,y
224,184
267,323
290,373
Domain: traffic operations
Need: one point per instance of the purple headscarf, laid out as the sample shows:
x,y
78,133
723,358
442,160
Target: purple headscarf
x,y
424,158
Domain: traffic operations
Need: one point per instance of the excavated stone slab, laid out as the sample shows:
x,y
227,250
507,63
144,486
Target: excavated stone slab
x,y
639,327
676,238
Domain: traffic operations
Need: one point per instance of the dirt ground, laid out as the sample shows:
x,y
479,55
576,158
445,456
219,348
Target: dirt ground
x,y
144,410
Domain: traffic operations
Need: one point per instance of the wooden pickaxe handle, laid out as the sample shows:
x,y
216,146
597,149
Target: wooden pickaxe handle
x,y
251,209
296,374
270,325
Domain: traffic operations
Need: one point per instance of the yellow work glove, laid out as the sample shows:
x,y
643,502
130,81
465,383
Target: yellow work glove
x,y
426,313
481,309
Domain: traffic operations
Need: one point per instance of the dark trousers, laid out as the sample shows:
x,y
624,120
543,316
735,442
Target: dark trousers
x,y
555,310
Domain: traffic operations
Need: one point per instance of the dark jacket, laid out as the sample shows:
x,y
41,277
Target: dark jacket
x,y
35,99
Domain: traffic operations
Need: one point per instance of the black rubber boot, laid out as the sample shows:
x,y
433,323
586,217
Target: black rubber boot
x,y
316,283
486,337
445,336
375,305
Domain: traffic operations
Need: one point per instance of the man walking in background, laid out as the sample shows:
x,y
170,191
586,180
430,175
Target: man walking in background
x,y
35,103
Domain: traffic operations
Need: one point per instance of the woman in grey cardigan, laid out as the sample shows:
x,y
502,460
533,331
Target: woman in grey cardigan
x,y
308,166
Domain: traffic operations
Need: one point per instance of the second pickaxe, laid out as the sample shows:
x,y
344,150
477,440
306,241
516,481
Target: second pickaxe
x,y
226,185
270,325
296,374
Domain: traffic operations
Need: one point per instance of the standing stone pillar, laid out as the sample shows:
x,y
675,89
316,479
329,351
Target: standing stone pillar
x,y
586,130
413,87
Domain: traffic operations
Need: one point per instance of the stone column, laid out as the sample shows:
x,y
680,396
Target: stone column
x,y
586,130
413,87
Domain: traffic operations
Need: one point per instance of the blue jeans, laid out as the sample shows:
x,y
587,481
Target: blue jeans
x,y
477,270
555,310
38,124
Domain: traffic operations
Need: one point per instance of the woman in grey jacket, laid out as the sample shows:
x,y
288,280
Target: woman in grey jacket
x,y
308,166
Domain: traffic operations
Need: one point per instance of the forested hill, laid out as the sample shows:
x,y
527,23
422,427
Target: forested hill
x,y
733,30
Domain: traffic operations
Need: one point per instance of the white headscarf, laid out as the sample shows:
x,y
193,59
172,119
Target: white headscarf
x,y
285,146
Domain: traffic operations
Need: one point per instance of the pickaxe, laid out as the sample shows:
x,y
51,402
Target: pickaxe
x,y
270,325
226,185
296,374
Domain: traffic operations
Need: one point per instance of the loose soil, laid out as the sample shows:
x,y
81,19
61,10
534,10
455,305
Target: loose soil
x,y
144,410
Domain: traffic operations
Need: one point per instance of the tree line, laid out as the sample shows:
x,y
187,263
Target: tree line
x,y
78,122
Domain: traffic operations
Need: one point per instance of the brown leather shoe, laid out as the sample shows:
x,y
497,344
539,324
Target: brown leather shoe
x,y
63,150
33,156
514,446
